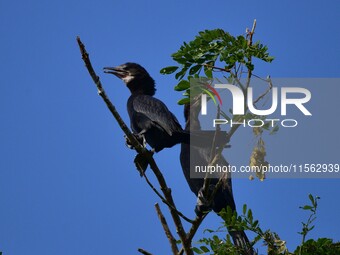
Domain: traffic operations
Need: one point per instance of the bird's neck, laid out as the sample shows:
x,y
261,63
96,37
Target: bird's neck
x,y
135,92
191,118
143,86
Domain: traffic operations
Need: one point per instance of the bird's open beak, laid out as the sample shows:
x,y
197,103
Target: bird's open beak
x,y
118,71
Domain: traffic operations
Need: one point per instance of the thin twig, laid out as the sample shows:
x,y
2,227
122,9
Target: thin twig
x,y
167,231
260,78
216,67
251,33
144,251
239,83
217,130
266,92
250,43
164,200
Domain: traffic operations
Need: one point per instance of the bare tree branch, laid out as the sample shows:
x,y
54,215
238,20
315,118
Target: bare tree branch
x,y
167,194
141,150
194,227
167,231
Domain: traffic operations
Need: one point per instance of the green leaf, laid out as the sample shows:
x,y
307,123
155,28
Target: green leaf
x,y
269,59
311,198
311,228
194,69
183,101
181,73
306,207
250,215
255,224
196,250
208,230
216,239
205,249
208,72
168,70
243,42
244,209
182,85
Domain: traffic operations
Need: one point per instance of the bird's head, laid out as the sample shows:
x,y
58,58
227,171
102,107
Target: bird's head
x,y
136,78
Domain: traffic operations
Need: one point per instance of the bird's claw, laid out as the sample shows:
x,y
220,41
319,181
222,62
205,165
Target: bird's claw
x,y
141,163
202,205
128,143
140,138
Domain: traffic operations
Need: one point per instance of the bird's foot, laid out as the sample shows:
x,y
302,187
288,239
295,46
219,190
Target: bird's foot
x,y
142,161
140,138
202,205
141,164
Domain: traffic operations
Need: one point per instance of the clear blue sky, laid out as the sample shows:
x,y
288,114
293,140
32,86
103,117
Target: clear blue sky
x,y
67,182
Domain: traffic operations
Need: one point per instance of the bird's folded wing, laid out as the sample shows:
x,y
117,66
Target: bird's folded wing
x,y
157,112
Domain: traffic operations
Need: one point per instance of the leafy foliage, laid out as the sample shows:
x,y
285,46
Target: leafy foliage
x,y
275,246
215,45
246,221
306,226
210,47
321,246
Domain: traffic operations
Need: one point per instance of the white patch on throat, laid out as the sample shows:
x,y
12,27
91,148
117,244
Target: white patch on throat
x,y
128,78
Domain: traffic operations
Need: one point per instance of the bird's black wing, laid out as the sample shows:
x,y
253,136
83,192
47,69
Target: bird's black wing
x,y
157,112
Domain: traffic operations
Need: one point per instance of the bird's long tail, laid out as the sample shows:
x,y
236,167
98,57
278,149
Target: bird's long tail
x,y
241,240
